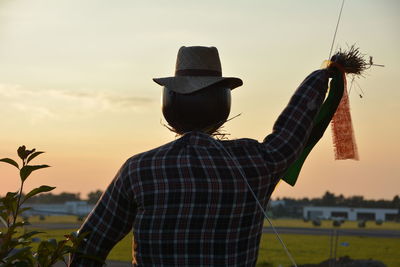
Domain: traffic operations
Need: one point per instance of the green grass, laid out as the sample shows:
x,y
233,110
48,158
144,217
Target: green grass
x,y
55,219
314,249
305,248
276,222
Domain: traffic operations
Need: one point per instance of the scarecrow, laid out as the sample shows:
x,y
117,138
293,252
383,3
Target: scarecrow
x,y
196,200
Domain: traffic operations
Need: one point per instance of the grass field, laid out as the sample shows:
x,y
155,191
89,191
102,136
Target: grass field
x,y
54,219
314,249
305,248
276,222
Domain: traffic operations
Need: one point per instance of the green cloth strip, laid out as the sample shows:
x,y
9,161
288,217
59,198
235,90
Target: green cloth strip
x,y
321,122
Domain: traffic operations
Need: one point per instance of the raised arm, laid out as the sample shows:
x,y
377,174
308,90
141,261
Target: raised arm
x,y
321,122
108,223
293,126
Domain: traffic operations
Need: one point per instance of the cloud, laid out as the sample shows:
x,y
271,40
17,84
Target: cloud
x,y
42,104
36,113
109,100
14,91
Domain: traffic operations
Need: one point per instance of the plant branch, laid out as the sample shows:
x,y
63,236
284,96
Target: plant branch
x,y
18,202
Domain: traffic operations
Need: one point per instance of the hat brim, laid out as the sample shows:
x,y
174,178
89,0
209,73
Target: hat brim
x,y
190,84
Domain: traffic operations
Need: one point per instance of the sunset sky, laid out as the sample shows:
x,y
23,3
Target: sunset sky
x,y
76,82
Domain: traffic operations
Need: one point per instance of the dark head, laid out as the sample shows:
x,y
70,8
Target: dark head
x,y
204,110
197,98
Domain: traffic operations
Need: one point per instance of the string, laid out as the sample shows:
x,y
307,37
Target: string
x,y
269,221
249,186
260,206
337,26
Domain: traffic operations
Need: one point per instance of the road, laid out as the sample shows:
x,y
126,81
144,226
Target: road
x,y
281,230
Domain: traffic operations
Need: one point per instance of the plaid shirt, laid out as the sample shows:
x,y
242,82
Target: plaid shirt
x,y
187,203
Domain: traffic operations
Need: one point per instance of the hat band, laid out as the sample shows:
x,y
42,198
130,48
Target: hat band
x,y
198,72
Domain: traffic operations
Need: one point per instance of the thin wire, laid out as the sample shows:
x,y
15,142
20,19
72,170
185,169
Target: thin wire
x,y
337,26
249,186
260,206
269,221
351,84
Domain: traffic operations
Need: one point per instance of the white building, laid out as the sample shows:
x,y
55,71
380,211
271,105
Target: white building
x,y
275,203
80,208
351,214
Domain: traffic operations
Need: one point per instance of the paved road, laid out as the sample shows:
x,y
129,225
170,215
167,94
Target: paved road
x,y
282,230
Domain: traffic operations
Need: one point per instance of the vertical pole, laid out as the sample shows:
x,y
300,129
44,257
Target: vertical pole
x,y
331,248
336,245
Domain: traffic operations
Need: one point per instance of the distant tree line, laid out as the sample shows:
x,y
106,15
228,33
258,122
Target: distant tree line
x,y
328,199
63,197
292,207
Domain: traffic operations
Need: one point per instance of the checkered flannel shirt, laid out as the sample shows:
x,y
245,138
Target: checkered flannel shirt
x,y
187,203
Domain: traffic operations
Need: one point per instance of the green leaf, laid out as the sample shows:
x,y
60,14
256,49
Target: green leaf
x,y
20,224
52,242
34,155
30,234
18,253
10,201
22,210
3,219
10,161
10,195
28,169
44,250
21,152
41,189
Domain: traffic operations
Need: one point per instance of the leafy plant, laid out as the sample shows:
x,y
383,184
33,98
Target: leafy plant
x,y
16,240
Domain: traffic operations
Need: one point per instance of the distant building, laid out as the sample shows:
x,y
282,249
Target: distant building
x,y
79,208
351,214
275,203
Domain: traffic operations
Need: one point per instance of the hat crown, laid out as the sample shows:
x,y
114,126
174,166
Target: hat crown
x,y
198,58
197,67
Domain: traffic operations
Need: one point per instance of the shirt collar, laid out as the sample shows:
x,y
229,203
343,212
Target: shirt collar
x,y
197,138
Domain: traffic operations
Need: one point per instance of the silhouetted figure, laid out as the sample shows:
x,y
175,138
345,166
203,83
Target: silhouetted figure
x,y
186,201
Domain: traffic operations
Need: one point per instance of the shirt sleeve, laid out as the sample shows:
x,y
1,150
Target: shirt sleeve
x,y
294,124
110,220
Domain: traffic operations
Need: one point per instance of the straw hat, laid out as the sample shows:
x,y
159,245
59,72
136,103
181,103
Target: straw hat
x,y
197,67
